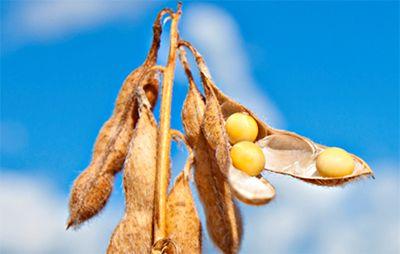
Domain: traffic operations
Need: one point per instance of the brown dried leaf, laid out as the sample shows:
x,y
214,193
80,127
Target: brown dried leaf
x,y
223,218
134,234
93,186
183,223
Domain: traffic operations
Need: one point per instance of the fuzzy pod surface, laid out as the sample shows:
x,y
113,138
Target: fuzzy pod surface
x,y
92,188
134,234
183,222
223,219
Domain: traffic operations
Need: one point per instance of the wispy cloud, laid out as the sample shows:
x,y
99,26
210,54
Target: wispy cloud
x,y
217,36
362,217
32,218
44,21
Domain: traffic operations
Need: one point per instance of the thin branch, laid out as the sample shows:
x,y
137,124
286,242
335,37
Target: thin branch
x,y
164,138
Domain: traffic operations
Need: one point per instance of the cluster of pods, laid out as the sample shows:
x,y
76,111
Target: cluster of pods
x,y
129,141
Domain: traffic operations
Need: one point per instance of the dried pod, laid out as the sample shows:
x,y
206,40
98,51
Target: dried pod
x,y
253,190
93,186
286,152
213,128
289,153
183,223
302,165
224,223
163,246
134,234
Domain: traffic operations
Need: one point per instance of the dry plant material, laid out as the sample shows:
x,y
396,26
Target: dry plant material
x,y
285,152
164,135
224,223
250,190
305,168
156,221
134,234
183,223
164,246
93,186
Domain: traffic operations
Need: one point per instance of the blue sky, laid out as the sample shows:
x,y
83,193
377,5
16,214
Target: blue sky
x,y
326,70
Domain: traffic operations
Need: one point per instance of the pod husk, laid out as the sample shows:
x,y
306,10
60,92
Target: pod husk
x,y
93,186
307,171
183,223
134,234
298,149
223,219
260,191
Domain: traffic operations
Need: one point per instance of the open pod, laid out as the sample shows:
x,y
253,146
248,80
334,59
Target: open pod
x,y
285,152
289,153
304,168
252,190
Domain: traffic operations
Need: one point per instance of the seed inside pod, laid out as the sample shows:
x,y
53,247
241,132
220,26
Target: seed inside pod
x,y
335,162
241,127
286,152
248,157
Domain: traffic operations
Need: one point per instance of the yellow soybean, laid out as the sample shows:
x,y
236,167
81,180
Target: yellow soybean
x,y
335,162
241,127
248,157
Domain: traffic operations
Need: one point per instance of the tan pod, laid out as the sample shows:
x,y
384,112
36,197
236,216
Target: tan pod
x,y
285,152
134,234
224,223
93,186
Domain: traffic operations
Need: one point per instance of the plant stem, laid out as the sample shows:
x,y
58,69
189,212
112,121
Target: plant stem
x,y
164,138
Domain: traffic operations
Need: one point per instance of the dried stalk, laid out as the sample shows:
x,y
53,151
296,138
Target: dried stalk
x,y
164,137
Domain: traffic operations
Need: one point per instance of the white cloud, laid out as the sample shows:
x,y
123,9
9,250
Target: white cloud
x,y
216,34
363,217
50,19
32,220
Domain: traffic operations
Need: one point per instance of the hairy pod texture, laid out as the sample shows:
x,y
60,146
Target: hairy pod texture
x,y
183,223
285,152
224,223
93,186
134,234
